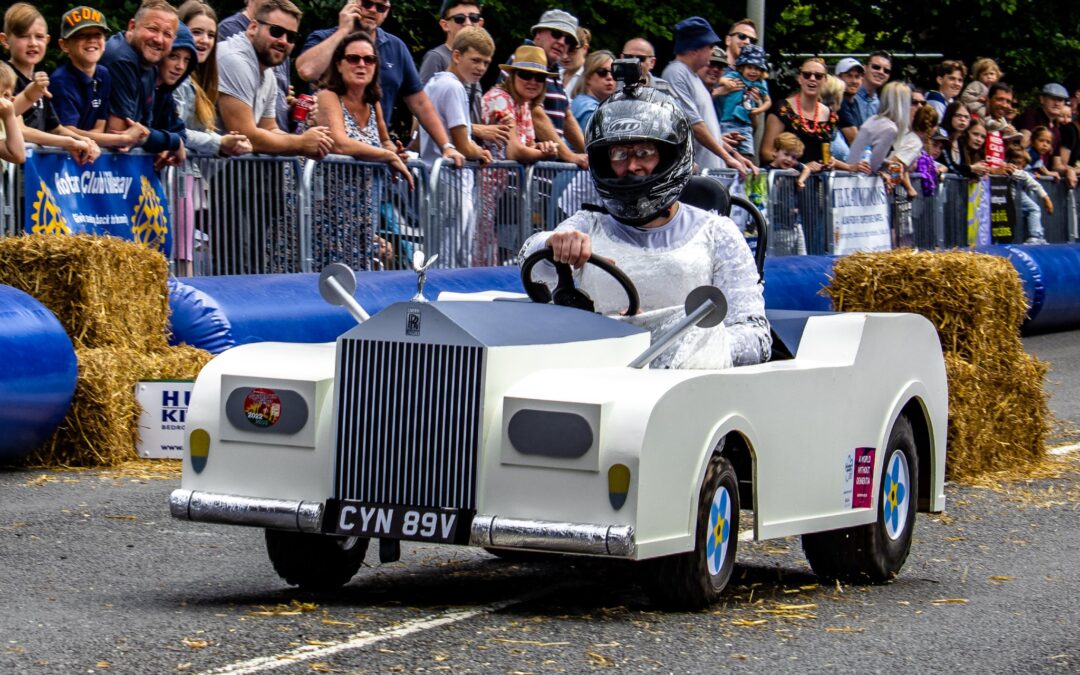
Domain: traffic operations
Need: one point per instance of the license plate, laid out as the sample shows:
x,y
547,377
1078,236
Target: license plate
x,y
416,523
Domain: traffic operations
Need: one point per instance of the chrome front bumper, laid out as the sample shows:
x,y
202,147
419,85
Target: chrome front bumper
x,y
277,514
615,541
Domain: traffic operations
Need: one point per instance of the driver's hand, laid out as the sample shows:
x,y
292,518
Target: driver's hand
x,y
571,247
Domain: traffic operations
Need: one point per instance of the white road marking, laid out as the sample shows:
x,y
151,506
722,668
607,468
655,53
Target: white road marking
x,y
363,639
1065,449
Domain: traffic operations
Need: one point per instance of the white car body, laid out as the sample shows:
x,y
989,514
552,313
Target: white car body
x,y
412,410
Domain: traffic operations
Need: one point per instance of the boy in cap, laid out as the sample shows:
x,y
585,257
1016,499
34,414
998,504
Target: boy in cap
x,y
740,109
80,87
694,41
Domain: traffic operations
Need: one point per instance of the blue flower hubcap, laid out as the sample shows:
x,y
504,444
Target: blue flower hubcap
x,y
896,486
719,530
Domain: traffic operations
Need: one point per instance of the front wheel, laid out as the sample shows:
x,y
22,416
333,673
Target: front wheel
x,y
695,579
874,553
315,562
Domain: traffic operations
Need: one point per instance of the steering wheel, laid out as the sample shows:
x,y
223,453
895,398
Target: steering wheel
x,y
565,294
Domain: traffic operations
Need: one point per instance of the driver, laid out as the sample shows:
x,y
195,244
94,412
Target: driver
x,y
640,158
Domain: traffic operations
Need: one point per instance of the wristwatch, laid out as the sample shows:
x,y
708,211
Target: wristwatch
x,y
448,146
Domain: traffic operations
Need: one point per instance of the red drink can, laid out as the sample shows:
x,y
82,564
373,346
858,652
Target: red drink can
x,y
304,104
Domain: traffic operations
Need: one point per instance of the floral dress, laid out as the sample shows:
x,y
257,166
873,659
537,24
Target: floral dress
x,y
814,134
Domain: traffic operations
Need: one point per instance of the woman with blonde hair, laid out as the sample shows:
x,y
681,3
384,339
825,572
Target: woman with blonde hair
x,y
597,83
511,101
881,131
832,95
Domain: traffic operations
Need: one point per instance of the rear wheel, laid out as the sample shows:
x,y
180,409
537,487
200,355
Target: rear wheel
x,y
874,553
315,562
695,579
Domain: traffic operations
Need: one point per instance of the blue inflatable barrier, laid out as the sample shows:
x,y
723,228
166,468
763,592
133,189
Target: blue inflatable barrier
x,y
1051,278
37,374
215,313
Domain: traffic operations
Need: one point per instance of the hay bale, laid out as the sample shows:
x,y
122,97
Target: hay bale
x,y
101,428
998,412
107,292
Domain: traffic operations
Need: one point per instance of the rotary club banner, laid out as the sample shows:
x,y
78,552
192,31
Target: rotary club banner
x,y
119,195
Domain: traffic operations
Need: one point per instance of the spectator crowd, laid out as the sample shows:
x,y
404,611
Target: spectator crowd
x,y
178,81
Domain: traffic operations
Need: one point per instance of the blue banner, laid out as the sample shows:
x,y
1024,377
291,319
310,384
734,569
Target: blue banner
x,y
119,194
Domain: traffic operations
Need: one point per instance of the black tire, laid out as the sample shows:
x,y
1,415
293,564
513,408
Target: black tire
x,y
695,580
315,562
874,553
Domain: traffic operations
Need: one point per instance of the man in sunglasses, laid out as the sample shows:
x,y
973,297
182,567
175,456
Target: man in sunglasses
x,y
556,33
248,90
458,14
743,32
132,57
878,69
397,72
238,23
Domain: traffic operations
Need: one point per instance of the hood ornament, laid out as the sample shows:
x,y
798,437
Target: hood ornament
x,y
421,267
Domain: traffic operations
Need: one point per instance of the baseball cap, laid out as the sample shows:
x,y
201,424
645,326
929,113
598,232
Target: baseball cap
x,y
560,22
1055,90
74,20
939,135
694,33
844,65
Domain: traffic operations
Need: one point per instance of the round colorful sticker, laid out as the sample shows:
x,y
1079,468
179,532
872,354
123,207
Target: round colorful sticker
x,y
262,407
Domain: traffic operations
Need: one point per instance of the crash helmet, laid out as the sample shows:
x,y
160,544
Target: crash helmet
x,y
634,115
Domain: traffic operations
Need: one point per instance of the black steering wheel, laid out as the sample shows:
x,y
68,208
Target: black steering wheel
x,y
565,294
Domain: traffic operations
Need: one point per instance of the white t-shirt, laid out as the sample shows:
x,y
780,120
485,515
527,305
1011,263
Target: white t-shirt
x,y
691,88
448,96
240,76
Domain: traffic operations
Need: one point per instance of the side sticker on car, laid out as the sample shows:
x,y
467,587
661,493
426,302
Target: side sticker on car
x,y
859,478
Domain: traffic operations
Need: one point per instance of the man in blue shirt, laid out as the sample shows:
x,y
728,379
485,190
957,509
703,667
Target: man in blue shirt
x,y
397,72
878,69
132,58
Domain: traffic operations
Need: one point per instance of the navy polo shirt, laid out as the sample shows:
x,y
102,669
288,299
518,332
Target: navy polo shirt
x,y
397,72
80,100
133,83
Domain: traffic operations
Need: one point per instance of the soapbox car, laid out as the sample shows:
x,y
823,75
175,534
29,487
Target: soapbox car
x,y
526,427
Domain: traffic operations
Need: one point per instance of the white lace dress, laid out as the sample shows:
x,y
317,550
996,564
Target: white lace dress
x,y
665,263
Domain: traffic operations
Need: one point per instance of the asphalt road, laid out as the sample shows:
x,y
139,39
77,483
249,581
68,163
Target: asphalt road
x,y
96,577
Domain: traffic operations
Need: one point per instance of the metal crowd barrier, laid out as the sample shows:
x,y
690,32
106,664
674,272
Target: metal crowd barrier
x,y
477,213
259,214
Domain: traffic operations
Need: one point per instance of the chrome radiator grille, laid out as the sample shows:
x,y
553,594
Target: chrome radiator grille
x,y
408,428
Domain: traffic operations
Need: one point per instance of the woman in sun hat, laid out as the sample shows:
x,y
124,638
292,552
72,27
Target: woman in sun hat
x,y
511,102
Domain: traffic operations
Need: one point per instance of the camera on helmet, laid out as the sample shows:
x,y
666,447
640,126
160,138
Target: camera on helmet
x,y
627,71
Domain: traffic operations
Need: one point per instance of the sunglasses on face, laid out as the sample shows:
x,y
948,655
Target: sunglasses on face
x,y
812,75
571,40
878,66
639,57
623,153
355,59
530,76
277,32
460,19
602,72
379,7
917,102
743,36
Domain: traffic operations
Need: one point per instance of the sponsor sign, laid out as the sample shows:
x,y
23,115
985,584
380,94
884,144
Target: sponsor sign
x,y
860,215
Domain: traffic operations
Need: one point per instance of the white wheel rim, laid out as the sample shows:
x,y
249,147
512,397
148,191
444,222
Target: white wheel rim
x,y
895,494
719,533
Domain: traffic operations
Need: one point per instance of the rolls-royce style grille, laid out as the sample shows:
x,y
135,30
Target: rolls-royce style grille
x,y
408,423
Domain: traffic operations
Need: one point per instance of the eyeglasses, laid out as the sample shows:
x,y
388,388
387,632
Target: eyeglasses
x,y
639,57
277,32
812,75
743,36
602,72
623,153
460,19
355,59
918,102
878,66
379,7
530,76
571,40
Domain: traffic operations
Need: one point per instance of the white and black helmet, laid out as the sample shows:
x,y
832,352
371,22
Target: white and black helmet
x,y
634,115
